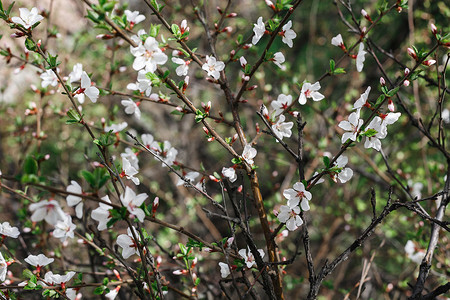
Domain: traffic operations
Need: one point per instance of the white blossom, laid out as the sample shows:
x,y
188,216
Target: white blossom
x,y
346,173
38,261
288,34
129,171
362,100
337,41
131,157
352,126
8,230
248,154
247,255
298,195
189,177
131,108
58,279
167,153
148,55
76,73
102,214
224,270
27,18
128,244
278,59
87,89
259,28
230,173
416,255
213,67
3,268
183,68
360,57
289,214
310,91
49,78
283,102
143,84
115,128
132,202
64,229
134,17
281,128
50,211
73,200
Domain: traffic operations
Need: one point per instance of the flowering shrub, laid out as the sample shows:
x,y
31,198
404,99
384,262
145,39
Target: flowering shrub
x,y
201,168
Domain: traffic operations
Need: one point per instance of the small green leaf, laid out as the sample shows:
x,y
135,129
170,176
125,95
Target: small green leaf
x,y
326,161
392,92
332,66
30,45
30,166
89,177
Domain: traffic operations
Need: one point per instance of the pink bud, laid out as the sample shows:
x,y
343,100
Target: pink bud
x,y
412,53
364,13
406,82
240,189
232,15
407,71
382,81
391,105
243,61
429,62
433,28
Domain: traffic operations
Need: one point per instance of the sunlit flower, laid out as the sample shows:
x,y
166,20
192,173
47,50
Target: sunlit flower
x,y
346,173
278,59
352,126
183,68
224,270
58,279
167,153
27,18
129,171
413,253
134,17
298,195
281,128
38,261
131,156
143,84
64,229
76,73
337,41
49,78
362,100
116,127
289,214
189,177
87,89
3,268
148,55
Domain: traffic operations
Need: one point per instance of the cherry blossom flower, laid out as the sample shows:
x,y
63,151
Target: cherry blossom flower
x,y
27,18
213,67
148,55
388,119
143,84
167,153
131,107
64,229
310,91
289,214
129,171
224,270
147,140
58,279
3,268
298,195
113,293
278,59
189,177
360,57
288,34
8,230
281,128
115,128
247,255
183,69
50,211
38,261
49,78
346,173
102,214
73,200
132,202
374,140
132,158
362,100
259,28
134,17
337,41
352,126
248,154
86,89
242,61
128,244
230,173
76,73
282,103
414,254
72,294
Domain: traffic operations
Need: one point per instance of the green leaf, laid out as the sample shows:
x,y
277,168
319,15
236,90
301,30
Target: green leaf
x,y
30,166
370,132
326,161
197,281
380,100
30,45
199,116
176,30
28,274
392,92
99,290
338,71
89,177
332,66
154,30
236,160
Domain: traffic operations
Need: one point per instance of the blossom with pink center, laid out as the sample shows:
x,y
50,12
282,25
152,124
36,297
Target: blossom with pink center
x,y
296,194
8,230
288,34
248,257
128,244
310,91
132,202
282,103
352,126
50,211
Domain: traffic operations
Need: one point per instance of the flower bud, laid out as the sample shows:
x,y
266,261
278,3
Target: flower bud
x,y
412,53
406,82
391,105
407,71
382,81
243,61
429,62
433,28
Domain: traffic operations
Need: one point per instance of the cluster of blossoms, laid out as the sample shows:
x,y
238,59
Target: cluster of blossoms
x,y
297,197
375,130
360,57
